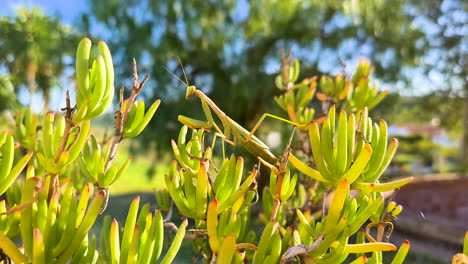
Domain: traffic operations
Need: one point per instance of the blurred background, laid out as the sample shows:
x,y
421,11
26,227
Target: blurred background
x,y
231,50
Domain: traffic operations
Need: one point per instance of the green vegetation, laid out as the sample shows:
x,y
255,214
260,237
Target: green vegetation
x,y
230,50
33,47
350,153
224,195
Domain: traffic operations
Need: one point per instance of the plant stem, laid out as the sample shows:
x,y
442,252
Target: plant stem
x,y
282,170
247,246
121,117
68,126
276,203
380,232
66,134
300,250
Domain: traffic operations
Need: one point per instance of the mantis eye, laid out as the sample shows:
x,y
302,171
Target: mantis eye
x,y
190,90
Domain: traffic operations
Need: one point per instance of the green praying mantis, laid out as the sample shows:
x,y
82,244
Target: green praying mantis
x,y
247,139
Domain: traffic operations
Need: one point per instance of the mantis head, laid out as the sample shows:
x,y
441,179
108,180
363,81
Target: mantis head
x,y
190,90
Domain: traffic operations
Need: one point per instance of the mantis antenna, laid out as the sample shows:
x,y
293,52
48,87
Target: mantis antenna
x,y
183,70
175,76
186,83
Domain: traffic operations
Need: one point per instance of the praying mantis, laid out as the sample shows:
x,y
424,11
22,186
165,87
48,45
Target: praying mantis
x,y
247,139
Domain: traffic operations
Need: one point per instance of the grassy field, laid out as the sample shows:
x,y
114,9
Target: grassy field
x,y
145,173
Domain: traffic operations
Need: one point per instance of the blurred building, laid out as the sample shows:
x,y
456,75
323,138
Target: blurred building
x,y
423,148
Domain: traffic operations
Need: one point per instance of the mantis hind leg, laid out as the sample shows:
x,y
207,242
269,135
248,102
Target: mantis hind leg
x,y
272,116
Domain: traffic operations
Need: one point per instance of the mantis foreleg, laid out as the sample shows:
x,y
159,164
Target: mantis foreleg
x,y
199,124
209,117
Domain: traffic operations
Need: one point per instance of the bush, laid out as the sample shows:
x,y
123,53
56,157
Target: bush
x,y
318,199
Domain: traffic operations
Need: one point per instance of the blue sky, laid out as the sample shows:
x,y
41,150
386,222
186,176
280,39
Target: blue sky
x,y
66,9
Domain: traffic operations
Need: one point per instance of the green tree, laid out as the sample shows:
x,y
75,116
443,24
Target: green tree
x,y
446,23
231,49
7,95
33,49
445,91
